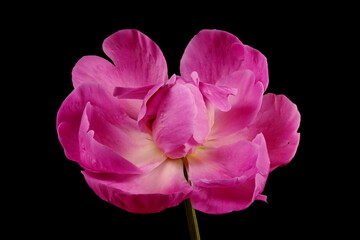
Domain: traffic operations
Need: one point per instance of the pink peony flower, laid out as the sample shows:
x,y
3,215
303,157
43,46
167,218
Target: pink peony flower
x,y
133,130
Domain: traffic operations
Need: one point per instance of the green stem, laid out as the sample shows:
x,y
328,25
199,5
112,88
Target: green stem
x,y
190,212
192,221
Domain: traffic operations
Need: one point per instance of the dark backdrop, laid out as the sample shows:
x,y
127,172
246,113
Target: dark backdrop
x,y
56,199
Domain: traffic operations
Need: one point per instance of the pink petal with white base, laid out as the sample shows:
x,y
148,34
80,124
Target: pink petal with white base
x,y
228,178
117,147
95,132
162,188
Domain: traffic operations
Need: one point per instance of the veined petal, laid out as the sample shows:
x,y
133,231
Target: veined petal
x,y
245,104
117,147
218,95
278,119
138,59
95,69
229,178
215,54
71,111
155,191
95,132
132,93
174,124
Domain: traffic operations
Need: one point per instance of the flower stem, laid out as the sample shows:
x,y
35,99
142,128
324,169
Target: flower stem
x,y
192,220
190,212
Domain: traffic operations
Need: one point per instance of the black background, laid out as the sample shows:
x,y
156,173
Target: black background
x,y
55,199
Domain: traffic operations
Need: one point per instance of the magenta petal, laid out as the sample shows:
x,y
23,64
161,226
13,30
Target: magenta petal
x,y
218,95
97,157
255,61
229,178
117,147
95,69
210,54
245,105
95,132
223,163
155,191
138,59
181,122
170,131
71,111
215,54
149,107
279,120
132,93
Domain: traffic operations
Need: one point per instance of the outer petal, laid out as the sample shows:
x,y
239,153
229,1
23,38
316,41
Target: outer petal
x,y
229,178
162,188
138,59
215,54
96,133
117,147
245,105
95,69
71,111
138,62
279,120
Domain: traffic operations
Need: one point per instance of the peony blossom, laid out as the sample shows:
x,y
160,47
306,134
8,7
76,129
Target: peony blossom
x,y
147,142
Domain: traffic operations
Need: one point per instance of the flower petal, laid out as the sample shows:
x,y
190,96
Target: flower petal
x,y
229,178
245,104
224,163
98,70
218,95
279,120
216,54
162,188
182,116
71,111
138,59
95,69
132,93
117,147
95,132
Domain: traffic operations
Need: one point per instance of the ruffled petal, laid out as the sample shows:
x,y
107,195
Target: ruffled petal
x,y
95,69
181,121
218,95
98,70
71,111
162,188
245,104
96,133
279,120
216,54
225,163
115,147
138,59
229,178
138,62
